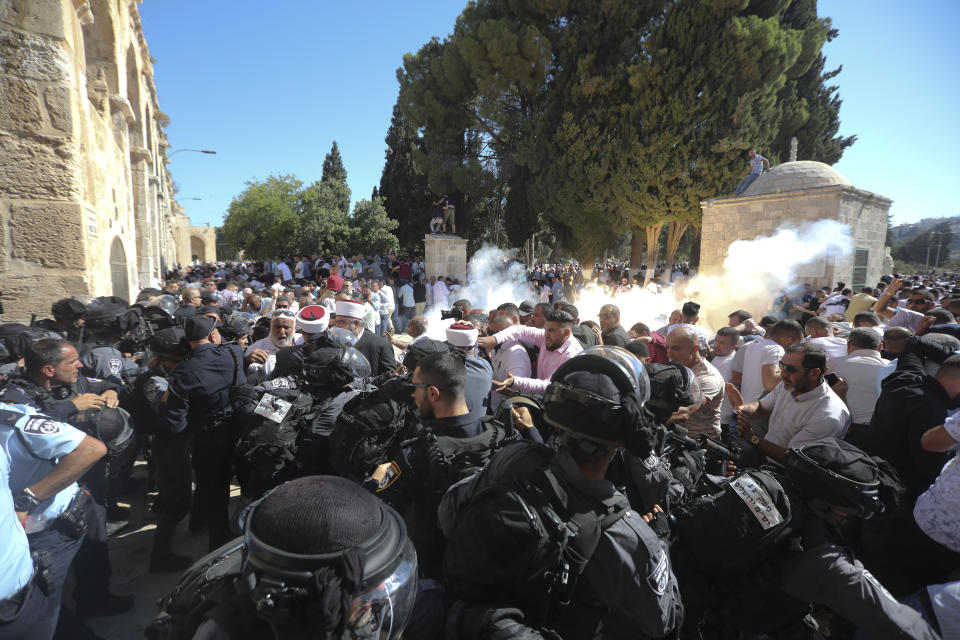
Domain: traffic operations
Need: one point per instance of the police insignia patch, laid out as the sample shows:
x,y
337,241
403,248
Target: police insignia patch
x,y
116,366
41,427
661,575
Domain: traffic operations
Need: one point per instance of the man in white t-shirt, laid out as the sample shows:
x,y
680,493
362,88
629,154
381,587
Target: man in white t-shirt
x,y
820,333
725,347
683,348
761,359
910,316
802,408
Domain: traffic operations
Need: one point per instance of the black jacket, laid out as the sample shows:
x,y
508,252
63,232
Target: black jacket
x,y
910,402
200,387
377,351
54,402
617,337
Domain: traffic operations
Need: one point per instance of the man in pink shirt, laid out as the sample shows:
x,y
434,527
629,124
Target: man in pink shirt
x,y
557,345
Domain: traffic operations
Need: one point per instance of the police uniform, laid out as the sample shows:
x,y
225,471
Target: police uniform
x,y
199,403
30,444
105,362
92,566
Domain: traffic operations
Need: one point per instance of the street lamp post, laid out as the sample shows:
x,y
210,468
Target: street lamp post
x,y
208,151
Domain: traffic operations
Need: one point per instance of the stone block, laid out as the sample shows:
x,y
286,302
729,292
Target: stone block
x,y
19,107
57,101
39,16
30,56
24,294
36,168
47,234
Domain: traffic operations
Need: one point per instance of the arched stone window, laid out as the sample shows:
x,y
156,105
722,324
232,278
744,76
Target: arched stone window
x,y
198,249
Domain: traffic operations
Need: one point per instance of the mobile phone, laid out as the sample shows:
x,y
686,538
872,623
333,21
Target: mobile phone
x,y
831,378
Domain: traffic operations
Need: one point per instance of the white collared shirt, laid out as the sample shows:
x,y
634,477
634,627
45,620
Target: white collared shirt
x,y
862,370
799,420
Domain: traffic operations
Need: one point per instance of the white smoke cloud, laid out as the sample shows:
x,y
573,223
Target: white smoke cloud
x,y
753,272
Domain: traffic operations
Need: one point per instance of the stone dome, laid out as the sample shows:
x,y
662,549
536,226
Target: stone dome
x,y
796,176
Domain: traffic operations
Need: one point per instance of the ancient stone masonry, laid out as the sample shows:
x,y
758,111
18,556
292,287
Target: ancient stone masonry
x,y
86,200
792,194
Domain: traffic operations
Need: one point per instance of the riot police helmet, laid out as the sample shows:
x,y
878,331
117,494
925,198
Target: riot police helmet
x,y
169,342
672,386
326,559
113,428
236,325
599,396
329,365
834,472
68,309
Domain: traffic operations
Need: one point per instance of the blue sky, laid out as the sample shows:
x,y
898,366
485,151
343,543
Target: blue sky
x,y
270,86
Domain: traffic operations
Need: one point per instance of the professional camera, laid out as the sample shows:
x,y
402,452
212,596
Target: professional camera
x,y
456,313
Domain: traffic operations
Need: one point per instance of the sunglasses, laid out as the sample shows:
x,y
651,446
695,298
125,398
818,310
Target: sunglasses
x,y
789,368
916,300
283,313
279,307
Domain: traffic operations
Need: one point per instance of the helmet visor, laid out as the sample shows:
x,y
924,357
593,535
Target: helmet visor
x,y
630,365
383,611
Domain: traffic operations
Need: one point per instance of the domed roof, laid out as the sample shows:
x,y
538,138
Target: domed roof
x,y
795,176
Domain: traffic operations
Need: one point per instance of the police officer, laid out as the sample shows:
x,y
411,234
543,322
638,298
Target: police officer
x,y
52,383
627,587
41,516
198,402
105,322
67,319
319,558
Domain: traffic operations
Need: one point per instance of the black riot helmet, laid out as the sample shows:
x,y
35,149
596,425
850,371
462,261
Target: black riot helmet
x,y
329,366
598,396
236,325
113,428
836,473
326,559
68,310
672,386
170,342
14,338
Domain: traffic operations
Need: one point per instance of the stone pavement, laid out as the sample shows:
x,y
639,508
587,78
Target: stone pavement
x,y
130,556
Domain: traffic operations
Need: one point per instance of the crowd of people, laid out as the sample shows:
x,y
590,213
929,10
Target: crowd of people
x,y
520,472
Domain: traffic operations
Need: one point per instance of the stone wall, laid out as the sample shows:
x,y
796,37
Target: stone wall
x,y
85,197
726,220
445,255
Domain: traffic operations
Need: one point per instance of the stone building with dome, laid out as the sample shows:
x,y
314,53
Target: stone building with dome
x,y
790,195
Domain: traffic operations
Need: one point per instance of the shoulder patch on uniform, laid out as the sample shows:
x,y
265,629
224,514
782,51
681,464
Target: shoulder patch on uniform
x,y
41,427
660,576
116,366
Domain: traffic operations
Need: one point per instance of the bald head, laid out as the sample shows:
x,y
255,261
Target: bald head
x,y
683,346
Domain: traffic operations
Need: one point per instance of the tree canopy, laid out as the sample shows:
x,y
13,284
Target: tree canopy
x,y
600,118
280,216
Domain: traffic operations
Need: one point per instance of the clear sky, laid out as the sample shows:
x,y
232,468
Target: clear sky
x,y
270,86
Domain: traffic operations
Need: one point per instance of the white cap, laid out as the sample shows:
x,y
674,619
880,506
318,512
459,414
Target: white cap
x,y
461,334
351,309
313,319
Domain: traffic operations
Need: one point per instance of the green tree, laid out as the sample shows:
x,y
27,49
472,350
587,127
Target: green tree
x,y
262,221
930,247
324,227
809,103
403,185
333,168
371,228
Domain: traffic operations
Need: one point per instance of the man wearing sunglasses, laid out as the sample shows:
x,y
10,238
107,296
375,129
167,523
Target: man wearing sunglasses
x,y
919,302
802,408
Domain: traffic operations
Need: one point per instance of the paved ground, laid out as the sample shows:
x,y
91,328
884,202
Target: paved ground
x,y
130,555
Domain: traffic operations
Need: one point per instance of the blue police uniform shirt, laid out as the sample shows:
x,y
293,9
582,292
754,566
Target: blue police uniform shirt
x,y
48,440
14,548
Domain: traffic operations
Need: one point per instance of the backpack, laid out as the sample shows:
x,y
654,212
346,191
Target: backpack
x,y
541,531
749,518
266,452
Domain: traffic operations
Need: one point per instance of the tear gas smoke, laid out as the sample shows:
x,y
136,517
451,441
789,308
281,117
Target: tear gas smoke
x,y
752,274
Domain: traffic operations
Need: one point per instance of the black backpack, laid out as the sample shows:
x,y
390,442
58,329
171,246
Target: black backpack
x,y
266,453
735,529
524,535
